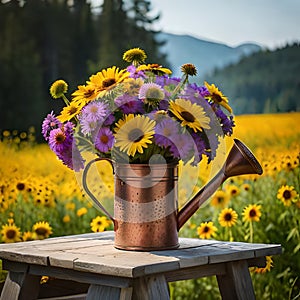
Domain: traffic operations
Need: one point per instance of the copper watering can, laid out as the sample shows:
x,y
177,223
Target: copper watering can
x,y
146,215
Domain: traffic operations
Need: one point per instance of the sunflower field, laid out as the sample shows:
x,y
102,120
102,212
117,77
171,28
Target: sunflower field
x,y
42,198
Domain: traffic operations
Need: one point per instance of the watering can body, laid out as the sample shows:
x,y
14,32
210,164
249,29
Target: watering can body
x,y
146,215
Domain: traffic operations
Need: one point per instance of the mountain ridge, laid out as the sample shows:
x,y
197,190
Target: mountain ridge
x,y
204,54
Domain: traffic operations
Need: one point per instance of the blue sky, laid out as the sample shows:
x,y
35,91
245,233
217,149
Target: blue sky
x,y
269,23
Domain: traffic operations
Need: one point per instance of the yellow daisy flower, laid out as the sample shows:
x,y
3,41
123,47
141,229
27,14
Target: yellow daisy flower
x,y
70,111
227,217
155,68
252,213
99,224
232,190
132,85
287,195
81,211
27,236
220,199
267,268
217,96
58,89
191,115
41,230
206,230
84,93
135,56
134,133
66,219
107,79
10,233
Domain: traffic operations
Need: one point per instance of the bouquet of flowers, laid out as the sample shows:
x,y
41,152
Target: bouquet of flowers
x,y
138,114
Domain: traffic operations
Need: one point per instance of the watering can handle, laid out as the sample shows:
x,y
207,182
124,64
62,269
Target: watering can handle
x,y
88,191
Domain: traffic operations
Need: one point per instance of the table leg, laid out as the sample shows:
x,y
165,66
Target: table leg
x,y
20,286
151,288
96,292
236,284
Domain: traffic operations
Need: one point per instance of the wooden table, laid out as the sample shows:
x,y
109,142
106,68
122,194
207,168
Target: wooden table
x,y
91,262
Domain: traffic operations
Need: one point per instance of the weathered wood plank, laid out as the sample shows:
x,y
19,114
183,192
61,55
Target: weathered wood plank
x,y
83,277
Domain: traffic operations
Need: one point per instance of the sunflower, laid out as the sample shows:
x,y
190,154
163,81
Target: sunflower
x,y
191,115
134,133
10,233
206,230
41,230
227,217
70,111
81,211
107,79
99,224
220,199
217,96
267,268
287,195
252,213
58,89
232,190
27,236
84,93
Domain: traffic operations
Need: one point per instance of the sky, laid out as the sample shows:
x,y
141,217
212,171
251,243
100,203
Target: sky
x,y
269,23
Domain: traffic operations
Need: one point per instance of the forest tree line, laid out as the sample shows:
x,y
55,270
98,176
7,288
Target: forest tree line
x,y
265,82
46,40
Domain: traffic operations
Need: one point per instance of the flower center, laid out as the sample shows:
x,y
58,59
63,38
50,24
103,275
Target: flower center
x,y
135,135
59,138
104,139
228,217
217,98
10,234
20,186
286,194
206,229
108,82
41,231
187,116
94,109
252,213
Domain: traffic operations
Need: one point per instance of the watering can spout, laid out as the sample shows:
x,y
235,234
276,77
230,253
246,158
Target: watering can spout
x,y
240,161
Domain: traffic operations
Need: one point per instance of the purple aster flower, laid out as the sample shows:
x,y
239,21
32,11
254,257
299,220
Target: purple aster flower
x,y
62,143
129,104
50,123
109,119
182,147
151,93
87,126
199,148
166,132
94,112
72,158
227,123
59,140
104,140
202,90
134,73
